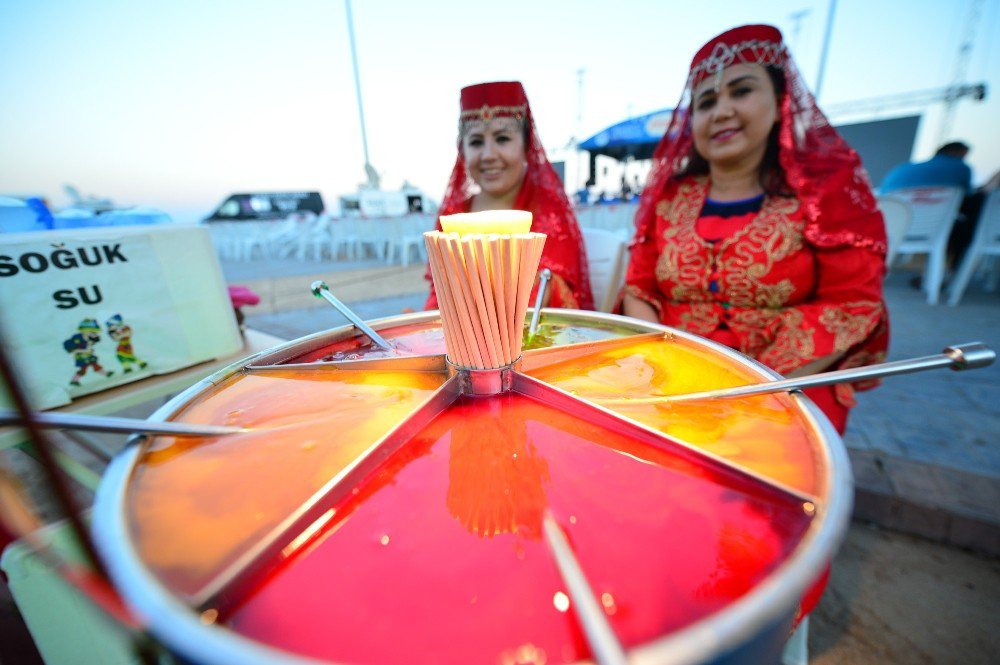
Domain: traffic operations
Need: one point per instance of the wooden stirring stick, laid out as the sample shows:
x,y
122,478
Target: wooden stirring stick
x,y
499,279
486,284
458,282
454,342
480,313
484,280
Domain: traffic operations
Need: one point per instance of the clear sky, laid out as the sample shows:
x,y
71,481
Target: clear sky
x,y
177,104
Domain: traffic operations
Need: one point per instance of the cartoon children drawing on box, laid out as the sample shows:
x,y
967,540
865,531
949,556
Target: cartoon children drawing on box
x,y
119,331
81,345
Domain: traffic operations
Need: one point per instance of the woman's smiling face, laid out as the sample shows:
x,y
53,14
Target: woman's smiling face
x,y
494,153
732,118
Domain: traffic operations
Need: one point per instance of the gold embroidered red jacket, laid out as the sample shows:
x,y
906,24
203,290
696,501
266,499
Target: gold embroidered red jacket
x,y
786,301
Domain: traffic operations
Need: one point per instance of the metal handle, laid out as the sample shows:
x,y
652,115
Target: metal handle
x,y
321,290
544,278
604,644
83,422
958,357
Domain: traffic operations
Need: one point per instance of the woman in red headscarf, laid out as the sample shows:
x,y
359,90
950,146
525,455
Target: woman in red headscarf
x,y
758,228
501,165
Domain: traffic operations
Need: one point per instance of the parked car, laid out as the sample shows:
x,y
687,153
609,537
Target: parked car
x,y
262,206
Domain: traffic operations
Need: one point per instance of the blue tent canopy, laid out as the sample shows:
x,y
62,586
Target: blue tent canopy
x,y
636,137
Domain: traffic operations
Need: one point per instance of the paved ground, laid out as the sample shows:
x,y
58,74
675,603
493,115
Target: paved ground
x,y
925,446
894,598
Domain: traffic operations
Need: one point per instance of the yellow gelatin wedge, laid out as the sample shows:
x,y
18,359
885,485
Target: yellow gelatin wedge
x,y
502,222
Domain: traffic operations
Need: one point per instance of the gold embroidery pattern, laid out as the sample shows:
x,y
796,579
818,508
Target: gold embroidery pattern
x,y
634,290
683,262
701,318
663,209
756,327
487,112
758,312
849,329
773,236
792,342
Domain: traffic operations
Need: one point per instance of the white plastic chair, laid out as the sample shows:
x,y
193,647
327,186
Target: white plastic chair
x,y
934,210
316,240
897,215
604,216
346,237
624,220
251,238
606,262
374,236
283,237
406,234
985,243
226,238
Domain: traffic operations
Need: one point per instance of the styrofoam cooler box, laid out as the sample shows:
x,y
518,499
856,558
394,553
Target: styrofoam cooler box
x,y
84,310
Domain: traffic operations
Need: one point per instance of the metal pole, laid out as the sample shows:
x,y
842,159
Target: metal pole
x,y
797,23
826,47
959,357
543,286
357,84
958,75
321,290
89,423
604,644
579,129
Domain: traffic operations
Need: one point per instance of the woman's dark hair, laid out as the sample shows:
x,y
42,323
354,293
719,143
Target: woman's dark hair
x,y
771,175
953,149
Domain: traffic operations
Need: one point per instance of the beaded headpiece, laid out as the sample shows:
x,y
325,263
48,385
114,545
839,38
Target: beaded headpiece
x,y
822,171
747,44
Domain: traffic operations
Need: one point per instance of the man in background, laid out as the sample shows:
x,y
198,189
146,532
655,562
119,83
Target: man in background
x,y
947,168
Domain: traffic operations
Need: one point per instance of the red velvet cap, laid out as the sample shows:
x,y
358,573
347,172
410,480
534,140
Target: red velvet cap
x,y
758,44
499,98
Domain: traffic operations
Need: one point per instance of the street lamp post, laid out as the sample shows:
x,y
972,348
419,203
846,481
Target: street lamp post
x,y
826,47
370,172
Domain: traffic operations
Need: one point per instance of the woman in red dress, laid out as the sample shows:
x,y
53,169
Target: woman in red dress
x,y
501,165
758,228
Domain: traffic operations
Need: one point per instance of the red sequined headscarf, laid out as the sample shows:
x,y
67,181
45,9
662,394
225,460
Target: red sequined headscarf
x,y
541,192
821,169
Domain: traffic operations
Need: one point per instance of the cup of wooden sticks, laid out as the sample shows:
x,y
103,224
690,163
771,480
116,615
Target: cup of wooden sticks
x,y
484,265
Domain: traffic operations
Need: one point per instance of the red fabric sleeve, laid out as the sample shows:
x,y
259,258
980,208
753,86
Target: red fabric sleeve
x,y
843,314
565,256
640,278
